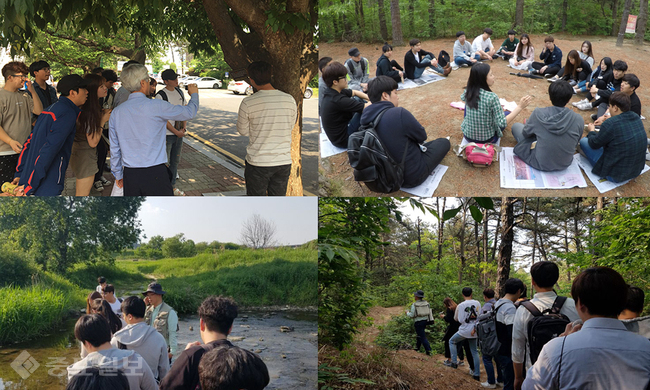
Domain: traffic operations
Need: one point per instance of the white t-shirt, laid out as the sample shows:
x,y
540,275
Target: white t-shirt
x,y
174,98
480,44
117,307
463,311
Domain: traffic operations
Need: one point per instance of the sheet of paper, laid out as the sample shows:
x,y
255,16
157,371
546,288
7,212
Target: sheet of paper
x,y
517,174
430,185
602,184
426,78
326,147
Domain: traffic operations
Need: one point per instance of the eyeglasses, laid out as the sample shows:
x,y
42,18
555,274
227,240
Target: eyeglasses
x,y
22,76
342,78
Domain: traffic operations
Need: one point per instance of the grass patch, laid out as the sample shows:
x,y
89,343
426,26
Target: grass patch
x,y
124,279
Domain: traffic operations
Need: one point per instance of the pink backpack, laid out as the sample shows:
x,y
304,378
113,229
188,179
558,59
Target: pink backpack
x,y
479,155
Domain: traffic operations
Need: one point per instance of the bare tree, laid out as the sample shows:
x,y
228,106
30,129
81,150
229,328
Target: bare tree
x,y
396,22
621,31
257,232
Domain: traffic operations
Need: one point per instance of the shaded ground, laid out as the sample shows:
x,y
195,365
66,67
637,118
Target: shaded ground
x,y
430,105
404,369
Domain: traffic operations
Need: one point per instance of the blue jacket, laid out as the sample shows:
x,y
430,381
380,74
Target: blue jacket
x,y
552,58
45,156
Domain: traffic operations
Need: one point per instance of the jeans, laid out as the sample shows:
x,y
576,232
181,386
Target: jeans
x,y
266,181
174,147
489,369
421,336
508,372
426,60
456,339
462,60
593,155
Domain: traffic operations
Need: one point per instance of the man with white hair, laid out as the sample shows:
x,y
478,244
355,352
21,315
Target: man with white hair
x,y
137,135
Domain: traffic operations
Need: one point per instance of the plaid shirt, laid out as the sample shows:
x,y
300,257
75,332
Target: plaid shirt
x,y
624,144
483,123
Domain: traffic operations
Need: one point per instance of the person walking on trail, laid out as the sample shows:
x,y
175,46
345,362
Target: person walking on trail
x,y
488,298
162,317
466,313
421,313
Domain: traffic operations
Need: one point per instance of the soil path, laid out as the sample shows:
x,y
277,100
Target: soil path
x,y
430,105
416,368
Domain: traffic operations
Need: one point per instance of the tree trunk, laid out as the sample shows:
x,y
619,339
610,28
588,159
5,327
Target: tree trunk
x,y
621,29
383,29
419,240
396,21
565,6
411,16
576,227
441,227
478,251
432,18
615,19
505,248
294,56
519,15
535,218
641,23
346,24
496,239
360,20
462,246
485,245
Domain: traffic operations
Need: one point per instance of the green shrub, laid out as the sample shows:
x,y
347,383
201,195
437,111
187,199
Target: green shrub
x,y
15,269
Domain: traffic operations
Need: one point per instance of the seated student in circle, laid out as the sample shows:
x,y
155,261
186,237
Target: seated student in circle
x,y
398,129
483,46
341,107
508,47
417,59
524,54
358,70
629,84
618,150
575,70
484,117
464,54
388,67
601,95
552,57
600,354
549,138
600,77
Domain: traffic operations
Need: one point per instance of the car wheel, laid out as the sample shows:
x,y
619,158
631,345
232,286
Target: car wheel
x,y
249,91
308,93
235,92
216,86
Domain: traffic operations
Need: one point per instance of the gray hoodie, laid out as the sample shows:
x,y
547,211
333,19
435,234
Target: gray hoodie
x,y
557,131
132,364
147,342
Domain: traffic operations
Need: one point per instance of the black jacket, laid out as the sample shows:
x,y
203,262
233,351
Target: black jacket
x,y
410,63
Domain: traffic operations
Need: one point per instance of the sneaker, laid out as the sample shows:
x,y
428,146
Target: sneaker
x,y
488,385
572,83
499,384
647,155
105,181
178,192
476,378
533,71
464,65
98,186
447,362
594,117
585,100
453,365
553,79
585,106
548,75
461,363
428,353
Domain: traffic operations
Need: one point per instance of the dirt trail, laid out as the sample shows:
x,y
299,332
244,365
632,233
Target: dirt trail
x,y
430,105
419,370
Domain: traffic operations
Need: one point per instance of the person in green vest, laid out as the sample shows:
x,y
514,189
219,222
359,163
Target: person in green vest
x,y
162,317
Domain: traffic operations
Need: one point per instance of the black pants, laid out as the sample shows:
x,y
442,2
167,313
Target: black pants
x,y
550,70
102,152
436,151
394,64
263,181
150,181
461,346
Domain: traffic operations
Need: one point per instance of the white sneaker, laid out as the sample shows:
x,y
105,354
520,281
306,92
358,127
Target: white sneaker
x,y
500,384
585,100
553,79
584,106
488,386
647,155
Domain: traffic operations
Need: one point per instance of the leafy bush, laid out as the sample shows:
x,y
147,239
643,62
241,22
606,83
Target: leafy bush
x,y
15,268
399,333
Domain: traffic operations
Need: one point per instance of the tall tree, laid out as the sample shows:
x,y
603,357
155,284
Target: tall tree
x,y
615,20
565,6
621,29
642,22
396,21
257,232
519,15
505,248
381,14
432,18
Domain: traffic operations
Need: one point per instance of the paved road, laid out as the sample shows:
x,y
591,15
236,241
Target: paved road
x,y
216,123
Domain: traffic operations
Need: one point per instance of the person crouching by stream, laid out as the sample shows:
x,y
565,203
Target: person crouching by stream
x,y
421,312
162,317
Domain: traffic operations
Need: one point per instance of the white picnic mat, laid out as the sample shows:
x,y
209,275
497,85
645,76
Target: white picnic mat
x,y
429,186
428,76
602,184
517,174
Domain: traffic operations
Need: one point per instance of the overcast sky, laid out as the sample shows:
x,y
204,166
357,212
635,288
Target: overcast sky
x,y
221,218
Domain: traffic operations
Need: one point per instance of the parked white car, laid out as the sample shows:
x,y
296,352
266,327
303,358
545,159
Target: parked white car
x,y
185,80
242,87
205,82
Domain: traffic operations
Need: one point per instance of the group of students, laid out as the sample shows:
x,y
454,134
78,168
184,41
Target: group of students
x,y
128,344
598,347
142,129
616,144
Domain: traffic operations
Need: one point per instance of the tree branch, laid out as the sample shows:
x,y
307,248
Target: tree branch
x,y
93,45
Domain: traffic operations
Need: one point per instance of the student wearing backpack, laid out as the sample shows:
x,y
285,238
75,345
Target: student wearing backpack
x,y
452,328
399,130
421,313
466,313
506,310
544,275
600,354
488,298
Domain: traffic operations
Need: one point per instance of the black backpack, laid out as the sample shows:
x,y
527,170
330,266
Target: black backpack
x,y
371,161
486,329
544,326
443,58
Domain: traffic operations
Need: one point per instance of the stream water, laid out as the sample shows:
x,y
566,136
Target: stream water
x,y
291,357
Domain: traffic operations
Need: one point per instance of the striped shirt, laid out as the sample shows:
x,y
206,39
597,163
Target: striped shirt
x,y
267,118
487,120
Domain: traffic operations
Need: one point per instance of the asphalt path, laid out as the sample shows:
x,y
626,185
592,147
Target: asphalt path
x,y
216,122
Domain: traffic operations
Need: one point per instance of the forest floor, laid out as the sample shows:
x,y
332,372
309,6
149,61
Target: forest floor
x,y
430,105
404,369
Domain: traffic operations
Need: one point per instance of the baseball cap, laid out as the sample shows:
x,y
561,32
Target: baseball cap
x,y
169,74
353,52
70,82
